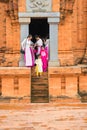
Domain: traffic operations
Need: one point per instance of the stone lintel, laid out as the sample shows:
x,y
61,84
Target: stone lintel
x,y
39,14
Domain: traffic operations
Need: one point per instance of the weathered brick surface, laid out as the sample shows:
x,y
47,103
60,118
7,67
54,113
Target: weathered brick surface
x,y
55,5
2,26
72,50
7,86
71,86
67,81
72,34
24,86
83,83
15,82
72,31
9,37
22,5
63,81
55,86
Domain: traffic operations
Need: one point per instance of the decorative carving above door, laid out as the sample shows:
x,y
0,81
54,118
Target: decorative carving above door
x,y
39,5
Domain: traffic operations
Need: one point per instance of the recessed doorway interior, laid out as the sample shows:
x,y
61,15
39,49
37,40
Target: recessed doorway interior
x,y
39,26
39,85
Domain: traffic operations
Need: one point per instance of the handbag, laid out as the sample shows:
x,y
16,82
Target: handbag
x,y
22,51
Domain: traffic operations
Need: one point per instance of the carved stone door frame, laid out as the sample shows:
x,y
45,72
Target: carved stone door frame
x,y
53,20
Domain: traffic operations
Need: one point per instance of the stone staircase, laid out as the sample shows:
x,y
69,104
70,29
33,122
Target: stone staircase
x,y
39,87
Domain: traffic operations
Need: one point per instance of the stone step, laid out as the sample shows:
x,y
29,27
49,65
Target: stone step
x,y
39,99
39,87
34,87
35,81
39,93
42,81
39,77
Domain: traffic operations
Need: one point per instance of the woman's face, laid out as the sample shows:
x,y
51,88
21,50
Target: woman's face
x,y
37,38
42,48
39,57
30,38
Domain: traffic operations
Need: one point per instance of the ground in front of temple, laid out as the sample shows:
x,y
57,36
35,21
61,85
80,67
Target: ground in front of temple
x,y
52,116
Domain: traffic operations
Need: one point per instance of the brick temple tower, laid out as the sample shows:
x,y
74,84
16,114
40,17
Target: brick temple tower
x,y
66,23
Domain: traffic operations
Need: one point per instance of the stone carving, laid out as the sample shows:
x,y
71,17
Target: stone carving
x,y
39,5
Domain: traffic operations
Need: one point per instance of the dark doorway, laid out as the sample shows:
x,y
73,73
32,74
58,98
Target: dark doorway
x,y
39,26
39,85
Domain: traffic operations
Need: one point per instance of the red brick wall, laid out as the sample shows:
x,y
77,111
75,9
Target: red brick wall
x,y
73,35
72,46
15,82
56,5
65,42
67,81
9,39
22,5
2,31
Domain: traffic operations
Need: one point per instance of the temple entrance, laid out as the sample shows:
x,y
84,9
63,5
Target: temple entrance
x,y
43,24
39,27
39,85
